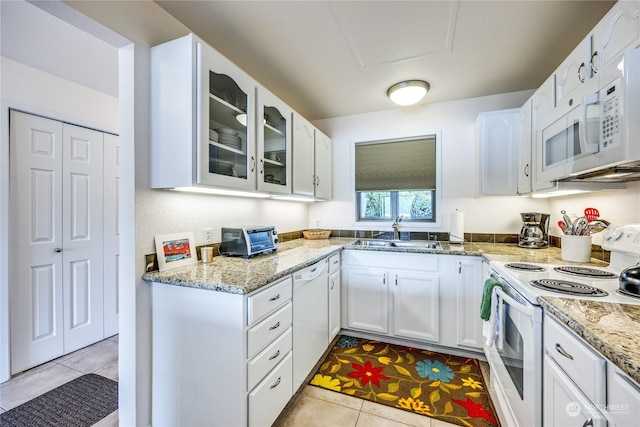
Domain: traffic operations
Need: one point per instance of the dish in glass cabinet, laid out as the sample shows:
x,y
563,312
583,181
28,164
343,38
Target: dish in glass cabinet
x,y
226,131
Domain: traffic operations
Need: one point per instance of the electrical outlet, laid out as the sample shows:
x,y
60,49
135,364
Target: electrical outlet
x,y
208,236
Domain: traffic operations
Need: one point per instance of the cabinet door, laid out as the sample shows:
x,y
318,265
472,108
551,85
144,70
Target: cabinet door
x,y
323,166
303,157
623,397
334,304
227,125
618,31
468,297
416,302
524,151
498,139
543,102
563,403
274,144
367,300
573,71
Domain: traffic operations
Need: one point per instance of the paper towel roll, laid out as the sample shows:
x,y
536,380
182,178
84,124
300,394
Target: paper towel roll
x,y
456,233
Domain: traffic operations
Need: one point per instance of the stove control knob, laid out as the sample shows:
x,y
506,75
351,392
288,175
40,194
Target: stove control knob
x,y
614,235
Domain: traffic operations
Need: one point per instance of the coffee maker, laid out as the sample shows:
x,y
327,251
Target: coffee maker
x,y
534,233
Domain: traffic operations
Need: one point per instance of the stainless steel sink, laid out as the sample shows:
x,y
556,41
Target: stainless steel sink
x,y
418,244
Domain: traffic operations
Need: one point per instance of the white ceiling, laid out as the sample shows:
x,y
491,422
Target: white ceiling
x,y
330,59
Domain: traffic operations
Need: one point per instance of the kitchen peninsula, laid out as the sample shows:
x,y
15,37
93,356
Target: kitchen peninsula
x,y
204,324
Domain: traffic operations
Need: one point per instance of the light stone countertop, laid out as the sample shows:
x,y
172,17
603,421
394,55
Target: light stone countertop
x,y
612,329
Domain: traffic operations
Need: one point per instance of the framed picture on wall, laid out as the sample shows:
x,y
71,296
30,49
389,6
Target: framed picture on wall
x,y
175,250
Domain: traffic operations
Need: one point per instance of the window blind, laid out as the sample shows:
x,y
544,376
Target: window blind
x,y
396,165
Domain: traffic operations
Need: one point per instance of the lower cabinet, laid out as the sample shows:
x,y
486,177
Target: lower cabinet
x,y
397,297
221,359
335,289
424,297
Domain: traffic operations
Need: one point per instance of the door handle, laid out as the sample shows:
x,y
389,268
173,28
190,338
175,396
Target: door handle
x,y
58,249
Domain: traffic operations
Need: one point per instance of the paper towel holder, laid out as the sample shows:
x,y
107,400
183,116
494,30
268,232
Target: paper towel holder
x,y
456,229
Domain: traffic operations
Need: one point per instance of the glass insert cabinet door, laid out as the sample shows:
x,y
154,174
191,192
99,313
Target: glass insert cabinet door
x,y
274,144
226,152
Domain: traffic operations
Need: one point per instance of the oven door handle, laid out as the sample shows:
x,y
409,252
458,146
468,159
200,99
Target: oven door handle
x,y
524,309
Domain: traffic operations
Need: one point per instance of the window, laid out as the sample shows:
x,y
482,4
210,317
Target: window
x,y
396,178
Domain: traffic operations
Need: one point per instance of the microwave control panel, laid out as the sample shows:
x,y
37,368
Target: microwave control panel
x,y
611,112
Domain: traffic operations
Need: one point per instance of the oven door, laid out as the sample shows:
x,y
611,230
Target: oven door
x,y
515,360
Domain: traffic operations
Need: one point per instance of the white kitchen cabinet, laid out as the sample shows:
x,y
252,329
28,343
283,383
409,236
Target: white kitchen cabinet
x,y
367,298
498,138
395,294
469,286
203,339
563,403
623,398
312,161
323,180
212,125
618,31
274,153
543,102
335,291
416,305
195,90
574,378
573,72
524,149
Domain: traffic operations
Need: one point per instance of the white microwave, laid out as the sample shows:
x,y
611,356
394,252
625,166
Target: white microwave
x,y
595,135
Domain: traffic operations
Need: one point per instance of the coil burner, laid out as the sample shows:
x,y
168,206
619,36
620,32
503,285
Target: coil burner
x,y
627,293
566,287
577,270
525,267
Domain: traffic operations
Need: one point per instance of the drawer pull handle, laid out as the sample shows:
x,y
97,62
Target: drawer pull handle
x,y
562,351
276,326
588,423
277,297
275,355
276,384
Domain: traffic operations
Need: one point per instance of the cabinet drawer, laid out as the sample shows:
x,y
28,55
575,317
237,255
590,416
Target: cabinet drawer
x,y
334,263
268,330
269,398
266,301
585,367
268,358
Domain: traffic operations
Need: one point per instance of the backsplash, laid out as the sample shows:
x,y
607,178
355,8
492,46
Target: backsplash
x,y
596,251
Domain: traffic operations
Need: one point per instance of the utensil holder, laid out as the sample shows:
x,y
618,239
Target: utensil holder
x,y
206,253
576,248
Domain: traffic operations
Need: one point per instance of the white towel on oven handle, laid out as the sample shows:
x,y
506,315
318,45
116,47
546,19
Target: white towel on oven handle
x,y
493,329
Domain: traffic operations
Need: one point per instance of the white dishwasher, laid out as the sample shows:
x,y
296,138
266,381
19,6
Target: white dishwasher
x,y
310,319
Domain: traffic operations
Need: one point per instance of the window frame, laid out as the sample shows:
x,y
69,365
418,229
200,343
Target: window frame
x,y
416,224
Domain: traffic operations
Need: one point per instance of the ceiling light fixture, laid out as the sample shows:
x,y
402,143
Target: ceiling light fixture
x,y
408,92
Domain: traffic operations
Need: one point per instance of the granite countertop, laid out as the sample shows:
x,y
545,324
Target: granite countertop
x,y
242,276
612,329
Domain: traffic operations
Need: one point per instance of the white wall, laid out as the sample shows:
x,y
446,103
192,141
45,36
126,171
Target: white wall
x,y
37,92
455,121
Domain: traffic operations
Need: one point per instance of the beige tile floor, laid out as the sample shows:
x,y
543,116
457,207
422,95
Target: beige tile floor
x,y
313,406
100,358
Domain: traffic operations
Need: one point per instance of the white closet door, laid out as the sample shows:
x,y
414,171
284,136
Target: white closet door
x,y
111,234
35,238
82,225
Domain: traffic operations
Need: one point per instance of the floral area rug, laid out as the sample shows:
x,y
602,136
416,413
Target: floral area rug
x,y
441,386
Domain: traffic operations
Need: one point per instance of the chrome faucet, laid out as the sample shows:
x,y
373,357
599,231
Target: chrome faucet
x,y
395,225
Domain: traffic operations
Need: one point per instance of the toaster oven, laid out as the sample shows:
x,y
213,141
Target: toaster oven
x,y
248,241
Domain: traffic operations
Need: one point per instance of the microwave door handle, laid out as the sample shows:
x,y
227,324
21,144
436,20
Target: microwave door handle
x,y
590,99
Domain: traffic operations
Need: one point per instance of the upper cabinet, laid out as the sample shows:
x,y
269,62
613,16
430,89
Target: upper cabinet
x,y
226,123
498,136
524,150
618,31
274,153
573,72
312,161
213,126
